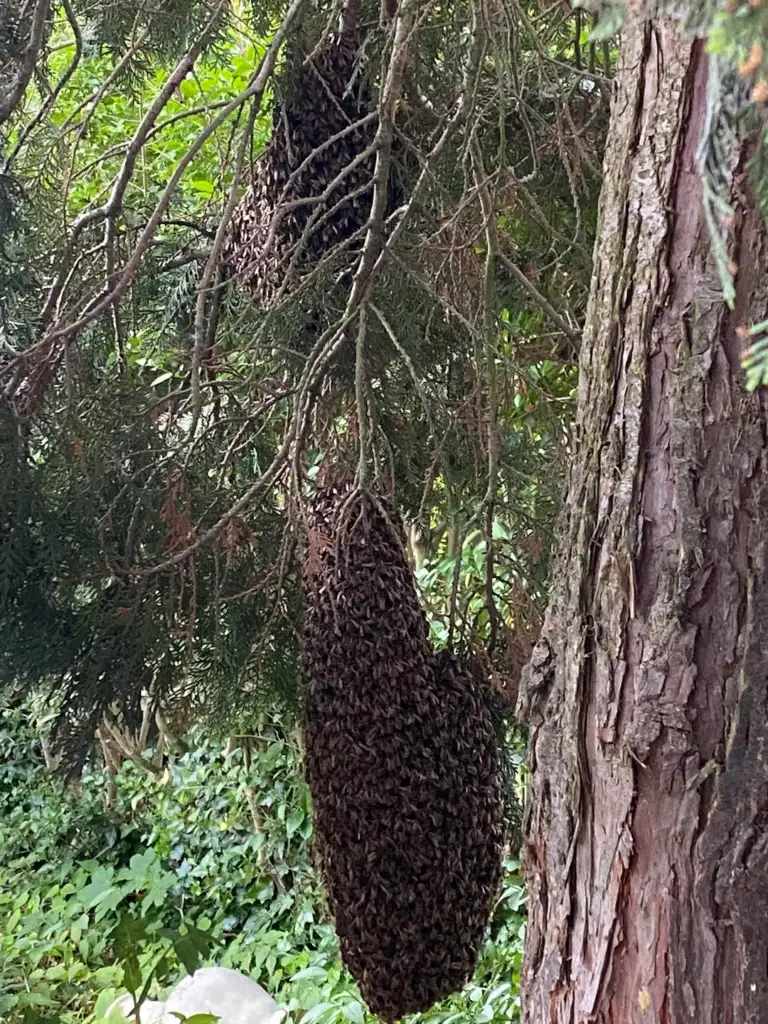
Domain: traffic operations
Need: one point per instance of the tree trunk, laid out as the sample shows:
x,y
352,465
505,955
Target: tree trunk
x,y
647,827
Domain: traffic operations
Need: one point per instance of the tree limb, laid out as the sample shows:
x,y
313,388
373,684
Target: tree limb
x,y
17,89
253,91
54,95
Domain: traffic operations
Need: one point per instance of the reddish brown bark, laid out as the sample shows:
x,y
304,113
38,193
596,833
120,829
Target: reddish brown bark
x,y
647,695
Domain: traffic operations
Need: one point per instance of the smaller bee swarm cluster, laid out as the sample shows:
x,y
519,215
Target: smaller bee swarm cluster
x,y
280,226
403,764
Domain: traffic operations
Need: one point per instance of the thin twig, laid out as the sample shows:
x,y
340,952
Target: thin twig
x,y
541,301
211,267
390,95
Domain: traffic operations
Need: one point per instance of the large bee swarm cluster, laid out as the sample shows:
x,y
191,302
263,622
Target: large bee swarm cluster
x,y
403,765
270,235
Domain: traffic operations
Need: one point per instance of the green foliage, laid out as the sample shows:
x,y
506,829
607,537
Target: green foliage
x,y
737,39
62,617
755,357
208,861
37,825
739,33
168,27
59,621
139,557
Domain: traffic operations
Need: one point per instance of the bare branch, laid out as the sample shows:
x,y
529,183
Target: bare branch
x,y
571,333
16,91
56,92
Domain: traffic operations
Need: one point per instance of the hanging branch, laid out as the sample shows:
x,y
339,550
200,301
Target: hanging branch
x,y
17,89
50,100
113,205
464,107
379,237
364,411
541,301
390,94
489,332
211,266
375,247
254,91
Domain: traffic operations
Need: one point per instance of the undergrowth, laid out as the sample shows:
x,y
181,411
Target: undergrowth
x,y
205,861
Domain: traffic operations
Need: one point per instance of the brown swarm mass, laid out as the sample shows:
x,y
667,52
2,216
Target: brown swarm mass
x,y
266,229
403,764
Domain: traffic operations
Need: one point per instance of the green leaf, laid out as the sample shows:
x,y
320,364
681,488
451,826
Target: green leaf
x,y
132,973
128,934
203,187
196,1018
295,818
140,865
188,953
499,532
496,992
100,886
104,1000
310,972
37,999
109,901
316,1012
353,1012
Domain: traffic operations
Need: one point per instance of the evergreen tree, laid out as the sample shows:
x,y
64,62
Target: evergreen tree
x,y
163,429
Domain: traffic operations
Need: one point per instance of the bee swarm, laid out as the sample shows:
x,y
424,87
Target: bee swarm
x,y
403,765
267,227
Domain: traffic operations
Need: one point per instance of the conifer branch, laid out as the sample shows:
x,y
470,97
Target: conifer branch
x,y
18,87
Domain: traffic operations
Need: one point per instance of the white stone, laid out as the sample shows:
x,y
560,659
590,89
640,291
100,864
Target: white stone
x,y
231,996
228,995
